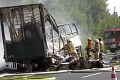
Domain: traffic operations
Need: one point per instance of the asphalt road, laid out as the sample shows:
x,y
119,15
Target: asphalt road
x,y
74,75
85,76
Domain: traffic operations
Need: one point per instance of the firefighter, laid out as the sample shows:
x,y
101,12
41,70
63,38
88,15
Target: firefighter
x,y
97,49
101,48
71,50
101,44
89,47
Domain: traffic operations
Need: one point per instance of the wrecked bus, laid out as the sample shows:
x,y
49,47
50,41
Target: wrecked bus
x,y
27,31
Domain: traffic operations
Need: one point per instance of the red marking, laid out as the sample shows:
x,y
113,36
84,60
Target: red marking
x,y
112,68
113,76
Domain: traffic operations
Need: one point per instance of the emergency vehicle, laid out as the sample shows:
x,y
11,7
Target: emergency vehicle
x,y
112,39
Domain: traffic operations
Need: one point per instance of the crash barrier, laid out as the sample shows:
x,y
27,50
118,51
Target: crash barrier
x,y
11,65
113,75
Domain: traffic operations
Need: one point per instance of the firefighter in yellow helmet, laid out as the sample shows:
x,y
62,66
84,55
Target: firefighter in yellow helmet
x,y
101,44
97,49
71,49
101,48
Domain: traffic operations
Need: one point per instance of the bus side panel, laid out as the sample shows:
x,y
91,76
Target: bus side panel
x,y
40,39
19,50
13,43
16,32
24,32
38,42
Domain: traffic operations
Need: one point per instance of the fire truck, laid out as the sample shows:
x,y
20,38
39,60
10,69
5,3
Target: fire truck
x,y
112,39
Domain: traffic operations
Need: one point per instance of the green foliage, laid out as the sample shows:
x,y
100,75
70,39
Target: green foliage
x,y
84,54
28,78
92,15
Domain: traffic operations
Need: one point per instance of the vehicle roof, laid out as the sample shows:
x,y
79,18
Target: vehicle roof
x,y
20,5
111,30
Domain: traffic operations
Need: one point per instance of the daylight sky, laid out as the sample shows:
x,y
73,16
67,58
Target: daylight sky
x,y
112,4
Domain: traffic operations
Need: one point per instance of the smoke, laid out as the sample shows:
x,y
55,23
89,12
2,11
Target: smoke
x,y
2,61
62,16
5,3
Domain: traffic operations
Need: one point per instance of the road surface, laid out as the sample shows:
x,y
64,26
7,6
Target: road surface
x,y
85,76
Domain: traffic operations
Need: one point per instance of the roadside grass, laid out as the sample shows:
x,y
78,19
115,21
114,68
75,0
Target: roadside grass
x,y
84,54
118,67
106,52
27,78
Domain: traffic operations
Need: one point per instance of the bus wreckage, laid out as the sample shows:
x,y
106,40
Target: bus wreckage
x,y
30,34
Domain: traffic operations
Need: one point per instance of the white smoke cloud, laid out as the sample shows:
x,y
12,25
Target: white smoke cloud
x,y
4,3
2,61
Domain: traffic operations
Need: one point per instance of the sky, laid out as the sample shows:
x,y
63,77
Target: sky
x,y
112,4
